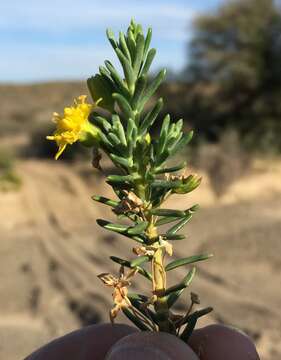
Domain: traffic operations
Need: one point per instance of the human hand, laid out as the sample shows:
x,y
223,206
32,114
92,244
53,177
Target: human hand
x,y
116,342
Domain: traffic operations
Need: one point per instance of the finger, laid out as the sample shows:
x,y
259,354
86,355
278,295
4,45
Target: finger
x,y
219,342
89,343
151,346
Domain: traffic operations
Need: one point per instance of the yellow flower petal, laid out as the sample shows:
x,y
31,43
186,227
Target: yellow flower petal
x,y
72,126
60,151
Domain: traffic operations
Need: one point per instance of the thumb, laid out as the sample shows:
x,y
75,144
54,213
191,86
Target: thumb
x,y
151,346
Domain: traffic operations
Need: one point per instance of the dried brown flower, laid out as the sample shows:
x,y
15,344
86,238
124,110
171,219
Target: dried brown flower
x,y
120,291
131,202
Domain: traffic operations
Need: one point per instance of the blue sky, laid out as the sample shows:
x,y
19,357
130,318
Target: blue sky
x,y
61,39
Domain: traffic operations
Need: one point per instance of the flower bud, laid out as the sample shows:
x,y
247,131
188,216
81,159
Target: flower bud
x,y
188,184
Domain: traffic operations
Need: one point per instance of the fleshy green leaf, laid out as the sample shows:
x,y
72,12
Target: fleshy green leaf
x,y
112,227
139,91
127,163
161,170
105,200
130,128
128,70
136,238
123,104
173,230
118,127
191,322
138,229
189,260
101,87
147,41
135,320
151,117
153,87
137,301
163,134
127,264
100,121
120,261
111,38
105,141
175,288
183,142
165,184
166,220
187,185
120,178
149,59
139,53
173,237
140,260
124,46
138,297
116,77
132,142
167,212
194,208
131,43
174,296
188,329
114,139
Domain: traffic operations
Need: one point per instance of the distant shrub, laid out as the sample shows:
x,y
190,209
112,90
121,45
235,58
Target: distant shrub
x,y
234,73
265,139
224,162
6,160
9,180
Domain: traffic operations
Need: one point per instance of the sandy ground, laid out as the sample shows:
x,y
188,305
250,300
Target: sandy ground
x,y
51,251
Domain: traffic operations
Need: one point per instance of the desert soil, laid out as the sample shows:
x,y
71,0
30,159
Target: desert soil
x,y
52,250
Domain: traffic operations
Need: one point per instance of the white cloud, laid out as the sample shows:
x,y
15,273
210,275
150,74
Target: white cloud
x,y
61,15
47,50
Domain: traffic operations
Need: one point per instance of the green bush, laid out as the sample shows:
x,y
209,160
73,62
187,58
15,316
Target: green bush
x,y
9,180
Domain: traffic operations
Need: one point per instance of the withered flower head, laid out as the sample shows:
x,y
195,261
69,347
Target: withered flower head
x,y
195,298
184,183
150,249
131,202
120,290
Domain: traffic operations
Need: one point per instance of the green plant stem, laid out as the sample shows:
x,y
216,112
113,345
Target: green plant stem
x,y
159,287
158,269
141,189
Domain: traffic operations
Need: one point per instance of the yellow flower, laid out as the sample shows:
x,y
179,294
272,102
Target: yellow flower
x,y
73,125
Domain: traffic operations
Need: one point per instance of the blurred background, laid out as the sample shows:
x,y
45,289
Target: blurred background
x,y
224,79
